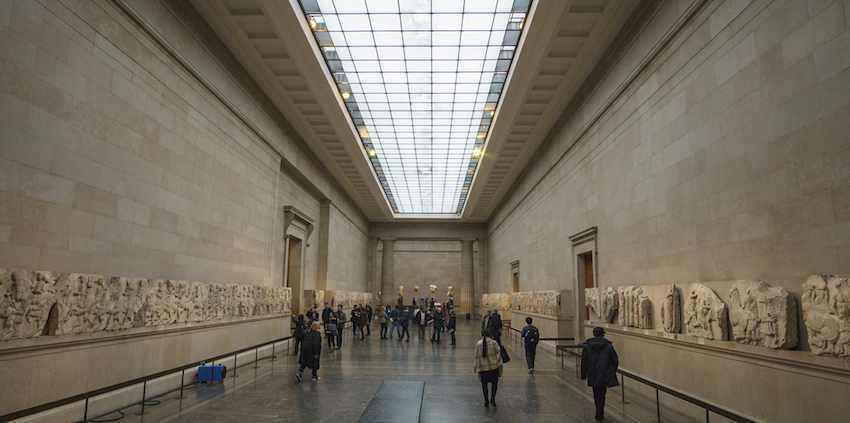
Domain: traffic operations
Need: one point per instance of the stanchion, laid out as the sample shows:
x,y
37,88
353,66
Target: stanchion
x,y
256,359
623,390
144,392
657,407
274,357
86,412
234,365
182,379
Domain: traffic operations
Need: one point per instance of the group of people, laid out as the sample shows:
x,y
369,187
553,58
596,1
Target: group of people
x,y
398,320
599,360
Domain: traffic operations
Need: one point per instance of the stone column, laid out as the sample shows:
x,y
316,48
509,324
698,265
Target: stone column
x,y
467,276
388,291
481,281
372,269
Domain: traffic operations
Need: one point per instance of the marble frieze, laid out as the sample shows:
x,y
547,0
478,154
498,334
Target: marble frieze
x,y
671,310
37,302
761,315
826,313
348,299
538,302
706,314
635,307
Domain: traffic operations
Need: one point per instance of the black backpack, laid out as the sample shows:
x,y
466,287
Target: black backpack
x,y
532,337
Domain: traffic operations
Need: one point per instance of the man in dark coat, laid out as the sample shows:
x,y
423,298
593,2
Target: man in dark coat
x,y
599,366
495,326
299,331
326,313
311,349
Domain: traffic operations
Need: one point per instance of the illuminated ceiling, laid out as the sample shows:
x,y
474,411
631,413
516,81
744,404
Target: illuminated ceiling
x,y
421,80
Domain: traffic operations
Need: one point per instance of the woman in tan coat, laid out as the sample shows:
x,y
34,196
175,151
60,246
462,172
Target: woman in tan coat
x,y
488,365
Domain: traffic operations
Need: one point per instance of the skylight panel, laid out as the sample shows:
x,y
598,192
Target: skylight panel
x,y
420,79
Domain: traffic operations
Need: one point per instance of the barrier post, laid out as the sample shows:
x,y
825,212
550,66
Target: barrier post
x,y
144,392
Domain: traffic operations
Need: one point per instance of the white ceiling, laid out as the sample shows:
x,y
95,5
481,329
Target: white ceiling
x,y
563,40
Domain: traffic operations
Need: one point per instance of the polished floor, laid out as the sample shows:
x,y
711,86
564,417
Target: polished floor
x,y
352,376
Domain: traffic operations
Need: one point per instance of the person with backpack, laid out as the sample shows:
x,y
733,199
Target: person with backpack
x,y
299,331
531,336
488,365
599,364
310,352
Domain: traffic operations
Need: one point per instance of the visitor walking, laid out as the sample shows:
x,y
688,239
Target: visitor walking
x,y
488,366
361,321
384,319
531,336
452,324
341,320
355,320
599,366
395,320
445,311
495,326
405,325
422,302
310,352
421,321
438,325
299,332
331,331
368,320
485,324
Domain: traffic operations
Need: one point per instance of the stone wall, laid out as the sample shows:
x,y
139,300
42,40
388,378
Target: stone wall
x,y
116,160
426,263
725,158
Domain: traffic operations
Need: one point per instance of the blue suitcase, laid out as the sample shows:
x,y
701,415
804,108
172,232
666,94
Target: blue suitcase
x,y
208,373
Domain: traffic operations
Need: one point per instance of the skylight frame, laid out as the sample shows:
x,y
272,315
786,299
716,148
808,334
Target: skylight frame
x,y
423,122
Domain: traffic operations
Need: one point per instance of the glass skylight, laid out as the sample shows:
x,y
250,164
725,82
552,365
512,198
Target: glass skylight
x,y
421,80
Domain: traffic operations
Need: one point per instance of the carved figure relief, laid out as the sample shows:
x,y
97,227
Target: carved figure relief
x,y
591,300
705,314
538,302
635,307
826,312
400,292
450,294
89,303
415,288
761,315
433,289
671,311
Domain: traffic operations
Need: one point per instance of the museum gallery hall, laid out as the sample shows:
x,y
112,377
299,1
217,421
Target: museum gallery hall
x,y
371,210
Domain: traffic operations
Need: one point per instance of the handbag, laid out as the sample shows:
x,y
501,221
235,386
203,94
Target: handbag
x,y
505,357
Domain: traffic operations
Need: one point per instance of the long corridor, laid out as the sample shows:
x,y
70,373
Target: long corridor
x,y
352,375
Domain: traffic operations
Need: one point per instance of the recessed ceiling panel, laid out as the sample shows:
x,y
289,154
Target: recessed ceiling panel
x,y
421,80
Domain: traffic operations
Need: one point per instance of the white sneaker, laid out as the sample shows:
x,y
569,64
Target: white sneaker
x,y
298,376
316,379
530,370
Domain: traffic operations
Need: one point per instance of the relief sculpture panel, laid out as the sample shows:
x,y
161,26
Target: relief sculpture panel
x,y
635,307
705,314
826,312
538,302
83,303
761,315
671,310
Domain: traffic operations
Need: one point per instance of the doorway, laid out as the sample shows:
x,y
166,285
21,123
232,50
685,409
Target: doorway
x,y
293,273
585,262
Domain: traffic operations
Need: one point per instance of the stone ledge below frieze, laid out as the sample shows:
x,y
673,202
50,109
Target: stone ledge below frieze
x,y
831,368
48,344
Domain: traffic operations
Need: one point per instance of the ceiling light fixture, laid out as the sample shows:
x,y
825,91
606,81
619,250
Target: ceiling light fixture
x,y
476,152
373,153
312,23
345,95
